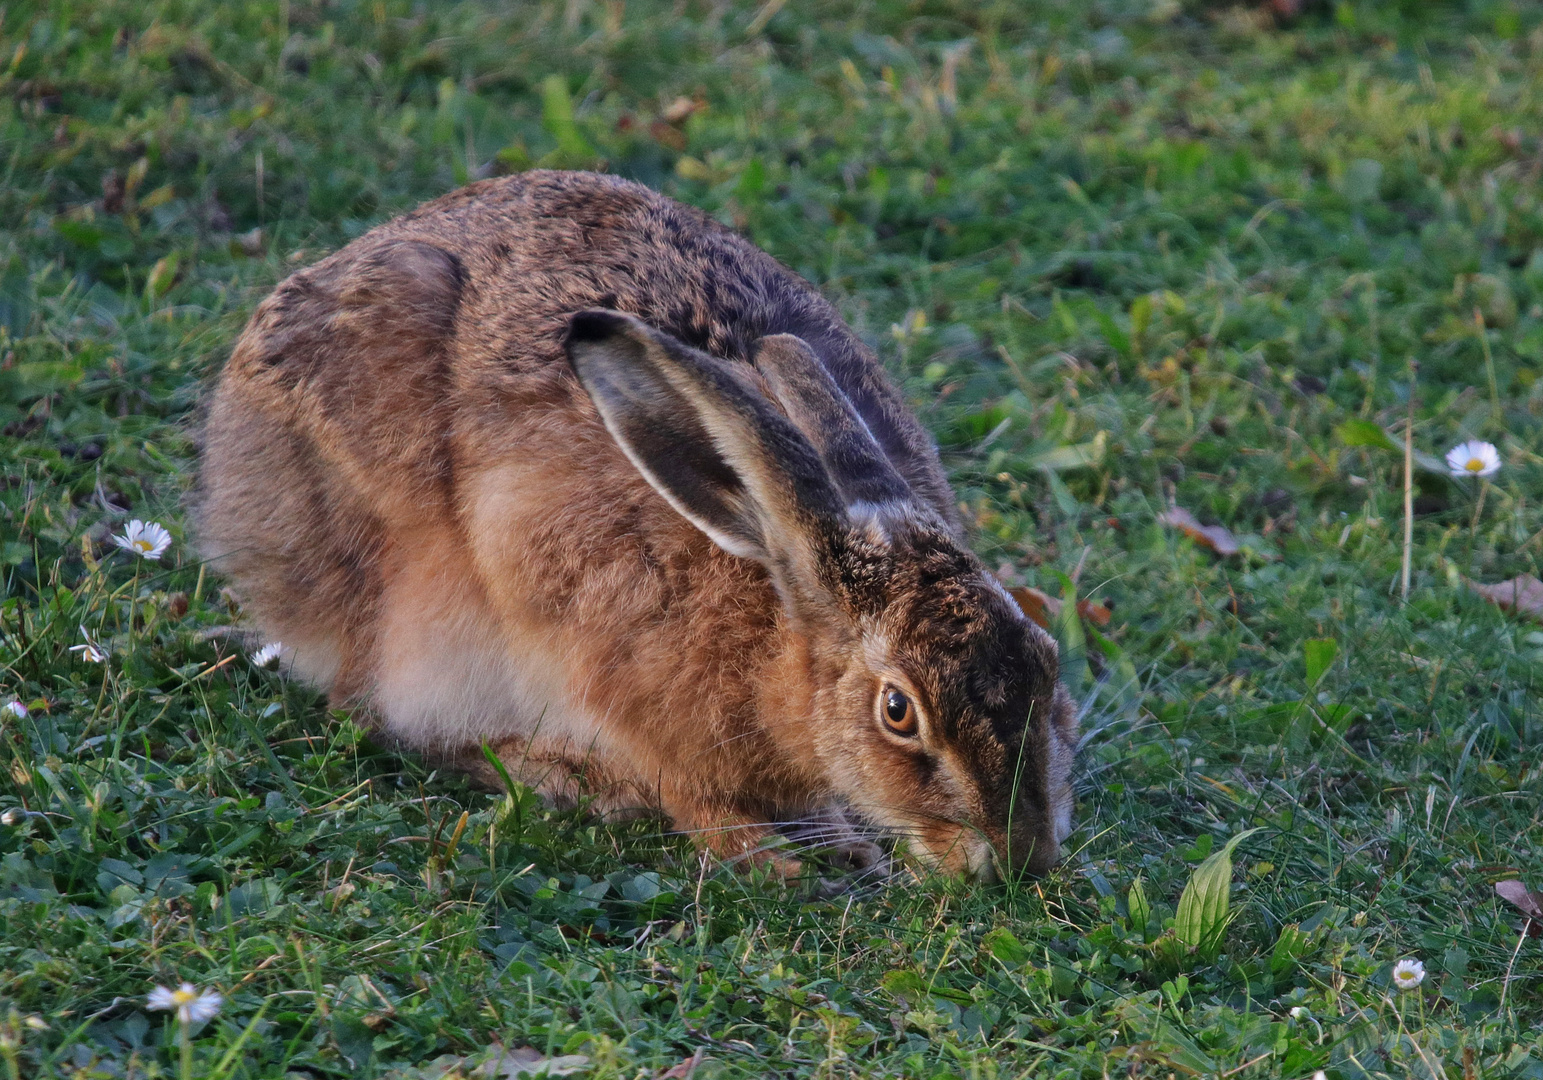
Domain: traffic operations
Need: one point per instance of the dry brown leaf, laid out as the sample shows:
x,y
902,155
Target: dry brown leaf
x,y
1514,892
1094,612
1523,595
1044,609
1039,606
684,1070
678,110
495,1063
1216,537
528,1062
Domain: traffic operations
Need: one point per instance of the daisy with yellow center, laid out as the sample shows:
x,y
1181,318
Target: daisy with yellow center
x,y
1473,458
91,650
147,539
192,1005
1408,974
268,655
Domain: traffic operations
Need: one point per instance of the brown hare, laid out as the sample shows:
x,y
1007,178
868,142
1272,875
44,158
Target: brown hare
x,y
560,466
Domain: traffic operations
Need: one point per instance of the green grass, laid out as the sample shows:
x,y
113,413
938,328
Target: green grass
x,y
1122,254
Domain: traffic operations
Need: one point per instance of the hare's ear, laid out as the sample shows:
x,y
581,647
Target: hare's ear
x,y
869,484
708,441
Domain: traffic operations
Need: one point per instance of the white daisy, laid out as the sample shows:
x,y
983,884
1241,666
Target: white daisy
x,y
1299,1012
16,709
193,1005
1473,458
1408,974
147,539
11,816
91,651
268,654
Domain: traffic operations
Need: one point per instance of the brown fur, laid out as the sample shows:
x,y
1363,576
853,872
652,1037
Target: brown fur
x,y
408,487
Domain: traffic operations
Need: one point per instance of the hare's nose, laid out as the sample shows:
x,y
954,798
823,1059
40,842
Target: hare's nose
x,y
982,856
1031,854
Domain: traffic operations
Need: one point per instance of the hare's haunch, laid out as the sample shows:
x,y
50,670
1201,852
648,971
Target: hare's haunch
x,y
560,466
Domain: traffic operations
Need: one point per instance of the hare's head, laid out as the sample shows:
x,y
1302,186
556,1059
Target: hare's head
x,y
927,699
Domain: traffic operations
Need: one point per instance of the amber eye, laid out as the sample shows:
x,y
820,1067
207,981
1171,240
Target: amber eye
x,y
899,713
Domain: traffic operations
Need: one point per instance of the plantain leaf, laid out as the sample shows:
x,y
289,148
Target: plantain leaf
x,y
573,150
905,987
1290,947
1203,908
1365,433
1318,654
1004,945
1140,908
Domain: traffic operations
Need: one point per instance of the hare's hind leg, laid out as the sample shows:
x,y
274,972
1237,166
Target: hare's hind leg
x,y
324,437
298,552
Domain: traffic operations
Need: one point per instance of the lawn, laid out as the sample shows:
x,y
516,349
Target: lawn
x,y
1127,257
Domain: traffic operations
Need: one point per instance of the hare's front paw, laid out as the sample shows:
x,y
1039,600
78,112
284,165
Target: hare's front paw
x,y
840,843
734,838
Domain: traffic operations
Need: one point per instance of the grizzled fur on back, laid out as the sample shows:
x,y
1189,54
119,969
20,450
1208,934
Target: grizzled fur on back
x,y
560,466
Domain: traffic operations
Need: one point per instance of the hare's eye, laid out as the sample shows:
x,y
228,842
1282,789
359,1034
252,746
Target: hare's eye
x,y
899,713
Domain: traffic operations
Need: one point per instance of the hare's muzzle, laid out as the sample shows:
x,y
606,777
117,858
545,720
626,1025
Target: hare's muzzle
x,y
1027,850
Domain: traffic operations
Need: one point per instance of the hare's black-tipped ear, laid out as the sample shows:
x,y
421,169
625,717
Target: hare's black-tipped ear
x,y
868,482
708,441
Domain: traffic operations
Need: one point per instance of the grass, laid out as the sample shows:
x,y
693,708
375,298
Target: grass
x,y
1123,255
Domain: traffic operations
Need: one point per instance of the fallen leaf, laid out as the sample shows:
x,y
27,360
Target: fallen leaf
x,y
1040,607
1514,892
1044,609
668,134
527,1061
684,1070
1215,537
1094,612
251,243
678,110
1523,595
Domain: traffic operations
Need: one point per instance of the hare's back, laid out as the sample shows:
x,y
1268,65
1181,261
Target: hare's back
x,y
533,249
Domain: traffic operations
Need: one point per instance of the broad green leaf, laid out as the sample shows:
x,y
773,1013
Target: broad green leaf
x,y
1201,848
1365,433
1203,908
1117,338
1290,947
1067,629
1062,312
1319,654
1079,456
354,1040
1065,501
162,275
255,897
1140,317
905,987
1140,907
557,117
1183,1053
1003,945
